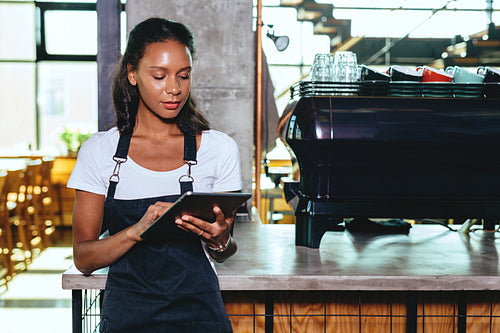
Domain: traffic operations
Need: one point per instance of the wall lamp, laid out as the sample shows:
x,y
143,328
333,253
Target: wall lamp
x,y
281,42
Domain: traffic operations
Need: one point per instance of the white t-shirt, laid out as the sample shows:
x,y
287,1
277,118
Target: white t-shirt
x,y
218,168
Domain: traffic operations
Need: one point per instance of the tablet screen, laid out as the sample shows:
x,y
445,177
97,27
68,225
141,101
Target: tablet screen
x,y
197,204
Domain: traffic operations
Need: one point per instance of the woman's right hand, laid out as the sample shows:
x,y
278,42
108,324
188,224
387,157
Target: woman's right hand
x,y
154,211
91,252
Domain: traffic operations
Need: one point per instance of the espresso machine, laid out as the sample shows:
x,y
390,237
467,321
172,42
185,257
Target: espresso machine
x,y
389,157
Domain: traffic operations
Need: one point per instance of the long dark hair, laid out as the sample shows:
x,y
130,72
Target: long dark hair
x,y
126,96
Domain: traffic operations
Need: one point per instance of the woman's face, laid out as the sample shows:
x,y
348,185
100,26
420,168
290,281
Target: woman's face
x,y
163,77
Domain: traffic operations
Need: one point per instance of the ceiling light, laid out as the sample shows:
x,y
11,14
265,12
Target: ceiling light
x,y
281,42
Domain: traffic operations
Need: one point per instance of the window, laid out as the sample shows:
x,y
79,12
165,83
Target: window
x,y
17,74
70,32
20,36
67,97
51,72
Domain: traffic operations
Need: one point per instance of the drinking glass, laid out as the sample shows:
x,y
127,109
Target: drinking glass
x,y
345,67
322,67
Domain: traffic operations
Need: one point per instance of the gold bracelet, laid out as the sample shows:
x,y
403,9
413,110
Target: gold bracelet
x,y
221,248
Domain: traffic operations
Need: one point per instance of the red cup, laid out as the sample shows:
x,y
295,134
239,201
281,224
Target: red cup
x,y
430,74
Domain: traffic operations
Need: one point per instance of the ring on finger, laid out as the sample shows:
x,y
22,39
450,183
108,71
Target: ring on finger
x,y
201,232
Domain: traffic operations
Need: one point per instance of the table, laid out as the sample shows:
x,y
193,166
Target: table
x,y
429,261
14,163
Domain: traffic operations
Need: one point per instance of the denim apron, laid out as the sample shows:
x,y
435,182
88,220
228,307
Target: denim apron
x,y
158,286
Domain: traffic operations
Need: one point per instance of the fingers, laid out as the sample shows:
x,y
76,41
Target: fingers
x,y
161,207
194,225
134,231
163,204
152,216
222,220
214,234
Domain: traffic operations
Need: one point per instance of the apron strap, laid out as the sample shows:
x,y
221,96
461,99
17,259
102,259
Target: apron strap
x,y
120,157
186,181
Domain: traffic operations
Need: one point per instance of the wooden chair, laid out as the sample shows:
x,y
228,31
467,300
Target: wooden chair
x,y
45,198
19,249
30,208
6,265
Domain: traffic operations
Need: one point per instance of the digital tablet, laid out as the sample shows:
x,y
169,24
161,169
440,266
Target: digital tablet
x,y
197,204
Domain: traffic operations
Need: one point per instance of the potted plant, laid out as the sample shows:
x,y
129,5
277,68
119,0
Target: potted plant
x,y
73,139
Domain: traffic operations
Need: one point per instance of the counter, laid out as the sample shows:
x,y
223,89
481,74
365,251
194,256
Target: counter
x,y
270,279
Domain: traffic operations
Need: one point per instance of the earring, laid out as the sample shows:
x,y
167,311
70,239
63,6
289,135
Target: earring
x,y
132,82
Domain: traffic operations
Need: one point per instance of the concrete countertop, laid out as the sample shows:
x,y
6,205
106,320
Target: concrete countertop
x,y
429,258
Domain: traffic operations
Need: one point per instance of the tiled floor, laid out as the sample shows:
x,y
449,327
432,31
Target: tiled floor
x,y
35,300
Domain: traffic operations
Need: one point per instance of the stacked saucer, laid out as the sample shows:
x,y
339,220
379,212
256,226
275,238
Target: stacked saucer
x,y
328,88
437,89
467,90
345,88
404,88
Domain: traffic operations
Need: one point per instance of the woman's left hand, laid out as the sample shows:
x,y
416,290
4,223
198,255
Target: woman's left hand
x,y
215,234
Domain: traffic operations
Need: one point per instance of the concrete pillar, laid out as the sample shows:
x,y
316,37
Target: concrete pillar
x,y
108,54
224,67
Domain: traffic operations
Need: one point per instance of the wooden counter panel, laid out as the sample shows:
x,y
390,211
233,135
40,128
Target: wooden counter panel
x,y
346,304
246,310
480,305
367,312
437,312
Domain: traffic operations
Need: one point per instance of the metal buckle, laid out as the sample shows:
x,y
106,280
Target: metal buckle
x,y
191,179
116,170
188,175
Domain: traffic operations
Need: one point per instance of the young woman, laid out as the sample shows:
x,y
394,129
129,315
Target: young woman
x,y
128,176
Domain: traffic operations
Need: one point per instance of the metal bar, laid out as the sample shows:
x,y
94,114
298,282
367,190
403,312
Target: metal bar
x,y
65,5
66,57
258,107
414,9
269,312
76,307
411,313
38,127
462,313
40,43
489,10
395,8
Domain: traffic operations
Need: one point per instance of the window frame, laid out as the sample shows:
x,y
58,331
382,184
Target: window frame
x,y
41,48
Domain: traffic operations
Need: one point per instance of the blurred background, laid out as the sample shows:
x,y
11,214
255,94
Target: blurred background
x,y
48,69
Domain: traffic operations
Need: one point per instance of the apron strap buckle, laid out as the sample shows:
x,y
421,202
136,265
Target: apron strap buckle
x,y
190,164
116,171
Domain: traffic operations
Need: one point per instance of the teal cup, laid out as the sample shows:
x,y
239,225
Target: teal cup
x,y
462,75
